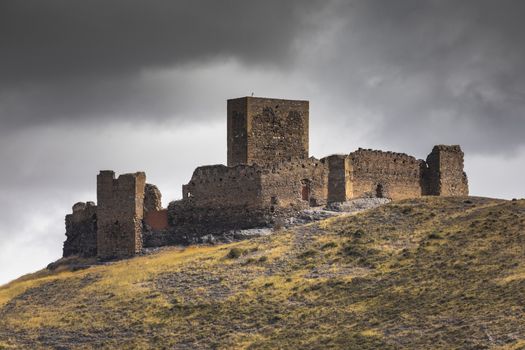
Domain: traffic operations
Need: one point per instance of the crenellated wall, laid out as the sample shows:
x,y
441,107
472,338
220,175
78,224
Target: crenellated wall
x,y
385,174
219,198
294,185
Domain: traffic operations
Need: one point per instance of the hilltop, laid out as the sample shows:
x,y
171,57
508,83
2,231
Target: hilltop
x,y
431,272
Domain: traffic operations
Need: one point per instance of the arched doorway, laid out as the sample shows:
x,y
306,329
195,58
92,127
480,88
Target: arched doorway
x,y
379,191
305,190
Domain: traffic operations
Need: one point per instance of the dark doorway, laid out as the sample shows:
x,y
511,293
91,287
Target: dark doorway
x,y
305,190
379,191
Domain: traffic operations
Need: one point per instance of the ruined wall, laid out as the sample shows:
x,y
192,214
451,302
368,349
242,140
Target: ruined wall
x,y
156,220
217,185
237,131
81,231
119,214
267,131
152,198
295,185
219,198
385,174
340,187
444,175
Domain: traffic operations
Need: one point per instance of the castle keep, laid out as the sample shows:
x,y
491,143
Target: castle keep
x,y
269,176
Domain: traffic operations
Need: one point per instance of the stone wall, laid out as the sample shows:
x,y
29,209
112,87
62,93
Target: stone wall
x,y
119,214
237,131
219,198
152,198
267,131
294,185
444,175
81,231
156,220
385,174
218,185
340,187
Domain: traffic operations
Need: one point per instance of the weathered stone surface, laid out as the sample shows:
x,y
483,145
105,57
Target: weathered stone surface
x,y
384,174
267,131
269,178
81,231
119,214
444,175
339,178
152,198
294,185
156,220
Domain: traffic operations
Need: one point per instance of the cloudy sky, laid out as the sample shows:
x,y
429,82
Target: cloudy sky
x,y
142,85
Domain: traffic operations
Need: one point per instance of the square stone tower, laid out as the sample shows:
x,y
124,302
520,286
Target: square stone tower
x,y
267,131
120,211
444,175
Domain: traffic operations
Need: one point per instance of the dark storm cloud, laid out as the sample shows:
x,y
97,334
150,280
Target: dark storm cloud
x,y
413,63
435,71
50,40
71,60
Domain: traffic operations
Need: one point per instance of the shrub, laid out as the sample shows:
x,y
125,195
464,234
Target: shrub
x,y
358,233
435,235
329,245
235,253
307,254
249,261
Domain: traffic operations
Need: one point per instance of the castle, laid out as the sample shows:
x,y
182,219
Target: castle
x,y
269,176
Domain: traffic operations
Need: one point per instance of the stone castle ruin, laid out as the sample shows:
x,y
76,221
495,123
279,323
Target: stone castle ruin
x,y
269,176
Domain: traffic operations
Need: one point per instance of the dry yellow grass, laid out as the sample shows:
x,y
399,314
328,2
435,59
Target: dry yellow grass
x,y
436,273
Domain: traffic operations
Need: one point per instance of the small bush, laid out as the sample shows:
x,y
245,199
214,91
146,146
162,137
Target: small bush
x,y
329,245
406,210
307,254
358,233
263,258
351,250
249,261
235,253
435,235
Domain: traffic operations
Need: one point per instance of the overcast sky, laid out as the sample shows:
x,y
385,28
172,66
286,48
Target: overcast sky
x,y
142,85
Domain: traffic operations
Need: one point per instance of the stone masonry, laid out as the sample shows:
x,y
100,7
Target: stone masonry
x,y
119,214
385,174
444,175
81,230
266,131
270,176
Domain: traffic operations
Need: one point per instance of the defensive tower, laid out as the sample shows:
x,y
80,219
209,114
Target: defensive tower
x,y
267,131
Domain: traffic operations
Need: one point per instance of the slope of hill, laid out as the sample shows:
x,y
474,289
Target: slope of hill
x,y
430,273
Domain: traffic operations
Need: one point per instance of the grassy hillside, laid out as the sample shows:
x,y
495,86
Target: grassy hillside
x,y
432,273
